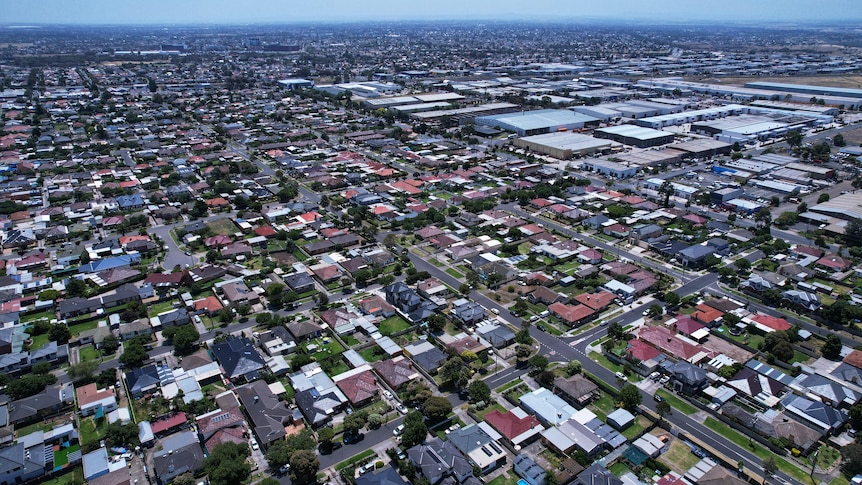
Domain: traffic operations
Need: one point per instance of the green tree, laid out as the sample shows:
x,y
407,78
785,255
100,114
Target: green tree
x,y
227,464
793,138
523,337
354,423
84,258
185,479
60,333
663,409
655,311
134,354
82,371
769,467
839,141
325,435
630,396
29,385
304,465
573,367
184,337
109,345
671,298
415,430
479,391
742,264
278,453
824,197
118,434
538,362
832,347
75,287
436,408
375,421
856,416
454,371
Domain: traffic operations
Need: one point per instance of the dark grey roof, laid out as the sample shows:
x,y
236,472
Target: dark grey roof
x,y
430,360
437,459
267,413
238,357
596,474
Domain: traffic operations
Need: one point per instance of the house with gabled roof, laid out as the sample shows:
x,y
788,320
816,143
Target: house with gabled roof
x,y
238,358
267,414
359,385
396,372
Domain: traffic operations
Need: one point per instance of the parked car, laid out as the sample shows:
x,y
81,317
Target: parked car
x,y
398,430
657,398
387,394
622,376
400,454
254,445
349,439
366,468
284,469
655,376
664,380
401,408
541,328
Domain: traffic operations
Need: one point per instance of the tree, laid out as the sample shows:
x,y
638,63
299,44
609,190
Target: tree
x,y
278,453
415,430
538,362
185,479
49,295
304,465
134,354
353,423
436,408
630,396
184,337
663,409
455,372
325,435
783,351
523,337
838,140
522,352
416,392
29,385
84,258
75,287
436,322
227,464
109,345
742,265
786,219
616,332
375,421
824,197
856,416
655,311
763,217
832,347
82,371
118,434
793,138
769,467
479,391
671,298
573,367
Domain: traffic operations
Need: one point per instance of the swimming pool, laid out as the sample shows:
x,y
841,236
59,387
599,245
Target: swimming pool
x,y
522,482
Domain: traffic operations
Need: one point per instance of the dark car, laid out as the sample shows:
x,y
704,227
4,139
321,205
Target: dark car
x,y
350,439
658,398
541,328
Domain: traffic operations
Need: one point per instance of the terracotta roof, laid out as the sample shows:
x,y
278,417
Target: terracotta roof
x,y
360,387
510,425
775,323
596,301
166,424
89,393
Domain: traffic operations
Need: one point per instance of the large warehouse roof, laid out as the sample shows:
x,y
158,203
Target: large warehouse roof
x,y
636,132
536,120
847,206
807,88
575,142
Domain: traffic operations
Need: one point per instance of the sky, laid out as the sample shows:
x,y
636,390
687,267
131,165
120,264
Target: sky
x,y
290,11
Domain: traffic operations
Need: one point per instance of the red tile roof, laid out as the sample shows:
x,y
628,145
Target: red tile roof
x,y
596,301
775,323
510,425
360,387
166,424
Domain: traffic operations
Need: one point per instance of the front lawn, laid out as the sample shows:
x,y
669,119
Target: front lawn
x,y
88,352
676,403
496,405
455,274
392,325
39,341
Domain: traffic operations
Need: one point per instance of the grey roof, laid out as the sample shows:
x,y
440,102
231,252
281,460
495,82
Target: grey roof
x,y
687,373
528,468
469,438
267,413
817,413
384,476
596,474
437,459
829,390
697,252
238,357
180,453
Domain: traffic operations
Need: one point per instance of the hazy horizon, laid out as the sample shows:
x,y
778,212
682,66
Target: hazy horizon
x,y
231,12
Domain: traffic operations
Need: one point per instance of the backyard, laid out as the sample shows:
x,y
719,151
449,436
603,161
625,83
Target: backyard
x,y
679,457
393,324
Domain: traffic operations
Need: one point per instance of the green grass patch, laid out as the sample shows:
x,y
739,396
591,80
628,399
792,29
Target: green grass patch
x,y
488,409
840,480
353,460
676,403
91,431
39,341
454,273
505,387
568,268
603,406
40,426
641,423
619,469
160,307
225,227
505,479
32,317
350,340
61,457
373,353
324,351
88,352
761,452
75,475
393,324
77,328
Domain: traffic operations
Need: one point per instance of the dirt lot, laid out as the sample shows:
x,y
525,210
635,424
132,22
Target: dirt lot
x,y
834,81
718,344
853,137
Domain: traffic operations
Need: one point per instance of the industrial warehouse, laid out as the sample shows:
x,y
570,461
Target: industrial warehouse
x,y
564,145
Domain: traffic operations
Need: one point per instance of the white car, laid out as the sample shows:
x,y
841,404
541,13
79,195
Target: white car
x,y
387,394
622,376
366,468
664,380
254,445
401,408
496,311
398,430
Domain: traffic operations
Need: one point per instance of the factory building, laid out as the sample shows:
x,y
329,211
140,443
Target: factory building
x,y
563,145
538,121
847,207
676,119
610,169
635,135
814,171
679,190
599,112
806,89
295,84
466,115
703,148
